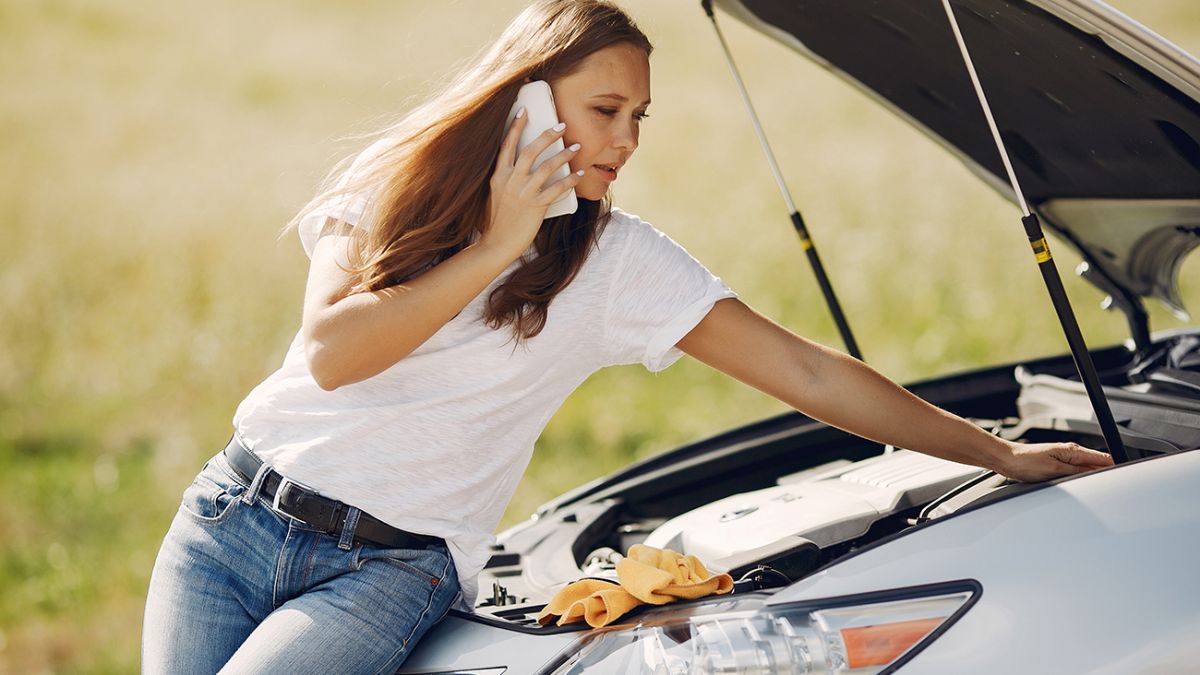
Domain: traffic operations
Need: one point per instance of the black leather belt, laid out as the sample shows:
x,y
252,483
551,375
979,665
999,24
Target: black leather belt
x,y
322,513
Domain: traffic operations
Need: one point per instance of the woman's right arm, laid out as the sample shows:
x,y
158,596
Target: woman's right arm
x,y
349,337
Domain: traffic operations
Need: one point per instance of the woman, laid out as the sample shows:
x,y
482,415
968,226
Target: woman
x,y
444,322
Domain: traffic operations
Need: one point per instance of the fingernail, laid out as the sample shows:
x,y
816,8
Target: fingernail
x,y
574,147
521,113
579,172
560,126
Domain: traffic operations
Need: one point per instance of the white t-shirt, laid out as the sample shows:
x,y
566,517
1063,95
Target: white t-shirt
x,y
437,443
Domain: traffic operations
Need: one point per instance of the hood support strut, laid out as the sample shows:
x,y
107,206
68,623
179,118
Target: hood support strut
x,y
806,241
1041,250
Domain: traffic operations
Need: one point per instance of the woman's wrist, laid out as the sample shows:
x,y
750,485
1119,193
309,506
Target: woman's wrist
x,y
490,257
993,453
499,251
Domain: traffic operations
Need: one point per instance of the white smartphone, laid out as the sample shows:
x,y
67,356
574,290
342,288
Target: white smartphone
x,y
538,102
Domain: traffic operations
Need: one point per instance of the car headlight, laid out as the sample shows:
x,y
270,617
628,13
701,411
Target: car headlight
x,y
852,634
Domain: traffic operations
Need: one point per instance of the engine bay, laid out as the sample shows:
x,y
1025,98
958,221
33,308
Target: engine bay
x,y
774,501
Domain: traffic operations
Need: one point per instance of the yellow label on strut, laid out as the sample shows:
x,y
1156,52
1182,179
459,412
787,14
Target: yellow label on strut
x,y
1041,250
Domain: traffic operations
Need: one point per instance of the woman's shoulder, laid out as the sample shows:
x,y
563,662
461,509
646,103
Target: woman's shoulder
x,y
340,202
624,219
630,243
626,231
623,227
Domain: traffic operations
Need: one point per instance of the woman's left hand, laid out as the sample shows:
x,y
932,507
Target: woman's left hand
x,y
1032,462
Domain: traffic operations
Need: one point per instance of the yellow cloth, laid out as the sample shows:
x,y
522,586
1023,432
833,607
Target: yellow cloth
x,y
597,602
647,576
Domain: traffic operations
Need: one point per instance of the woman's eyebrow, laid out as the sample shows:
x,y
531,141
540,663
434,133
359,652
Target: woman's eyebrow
x,y
618,97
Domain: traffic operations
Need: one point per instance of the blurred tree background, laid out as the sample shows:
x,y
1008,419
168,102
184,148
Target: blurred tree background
x,y
153,151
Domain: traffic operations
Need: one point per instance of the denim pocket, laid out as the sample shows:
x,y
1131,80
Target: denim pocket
x,y
432,564
211,496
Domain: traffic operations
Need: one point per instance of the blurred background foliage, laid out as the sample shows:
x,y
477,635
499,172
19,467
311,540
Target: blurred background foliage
x,y
152,152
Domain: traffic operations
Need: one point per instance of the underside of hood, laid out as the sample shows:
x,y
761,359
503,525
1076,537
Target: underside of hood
x,y
1101,116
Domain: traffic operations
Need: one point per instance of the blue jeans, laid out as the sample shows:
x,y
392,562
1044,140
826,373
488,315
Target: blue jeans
x,y
240,588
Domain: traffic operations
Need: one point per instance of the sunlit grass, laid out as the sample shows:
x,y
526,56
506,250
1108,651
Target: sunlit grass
x,y
152,152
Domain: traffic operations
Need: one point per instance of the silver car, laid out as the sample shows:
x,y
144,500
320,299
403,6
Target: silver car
x,y
850,557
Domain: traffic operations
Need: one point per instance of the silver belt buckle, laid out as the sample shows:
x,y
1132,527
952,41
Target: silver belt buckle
x,y
284,484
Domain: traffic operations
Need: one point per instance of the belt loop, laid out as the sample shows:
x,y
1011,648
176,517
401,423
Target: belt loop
x,y
349,527
260,477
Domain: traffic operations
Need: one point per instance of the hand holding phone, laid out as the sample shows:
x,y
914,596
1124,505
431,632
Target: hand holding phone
x,y
538,102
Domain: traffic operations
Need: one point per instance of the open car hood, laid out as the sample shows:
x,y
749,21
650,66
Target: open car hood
x,y
1101,116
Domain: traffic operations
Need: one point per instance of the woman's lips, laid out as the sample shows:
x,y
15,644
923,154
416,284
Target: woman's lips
x,y
608,173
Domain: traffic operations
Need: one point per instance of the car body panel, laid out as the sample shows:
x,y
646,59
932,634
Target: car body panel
x,y
1097,573
461,644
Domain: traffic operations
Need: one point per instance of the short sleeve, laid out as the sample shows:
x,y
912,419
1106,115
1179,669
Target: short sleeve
x,y
659,293
316,223
350,208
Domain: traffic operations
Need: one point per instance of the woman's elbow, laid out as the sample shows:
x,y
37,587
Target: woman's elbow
x,y
323,365
336,358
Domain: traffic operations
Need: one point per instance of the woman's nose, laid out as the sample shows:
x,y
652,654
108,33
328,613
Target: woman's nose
x,y
626,137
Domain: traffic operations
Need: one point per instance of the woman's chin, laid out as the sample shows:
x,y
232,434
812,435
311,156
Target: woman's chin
x,y
591,194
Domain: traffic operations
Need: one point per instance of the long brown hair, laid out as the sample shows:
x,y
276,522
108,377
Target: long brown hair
x,y
429,184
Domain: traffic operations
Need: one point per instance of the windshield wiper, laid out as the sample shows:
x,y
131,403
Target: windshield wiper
x,y
1045,261
810,249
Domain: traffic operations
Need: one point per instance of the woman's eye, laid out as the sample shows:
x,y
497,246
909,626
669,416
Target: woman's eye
x,y
612,112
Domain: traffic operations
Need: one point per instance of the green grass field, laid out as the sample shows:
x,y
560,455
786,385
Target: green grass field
x,y
152,151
